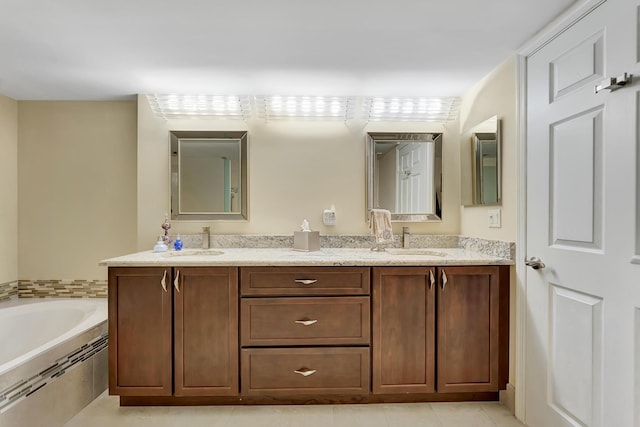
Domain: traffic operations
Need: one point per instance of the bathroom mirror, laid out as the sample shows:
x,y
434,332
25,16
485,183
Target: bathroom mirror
x,y
480,164
208,175
404,175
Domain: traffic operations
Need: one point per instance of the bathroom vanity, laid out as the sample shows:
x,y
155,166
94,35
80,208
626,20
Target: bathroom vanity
x,y
279,326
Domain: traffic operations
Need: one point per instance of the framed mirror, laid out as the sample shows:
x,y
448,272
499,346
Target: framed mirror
x,y
208,175
480,165
404,175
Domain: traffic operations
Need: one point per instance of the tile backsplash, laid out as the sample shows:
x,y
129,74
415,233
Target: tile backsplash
x,y
497,248
326,241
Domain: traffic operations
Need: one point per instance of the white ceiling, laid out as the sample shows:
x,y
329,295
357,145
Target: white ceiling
x,y
113,49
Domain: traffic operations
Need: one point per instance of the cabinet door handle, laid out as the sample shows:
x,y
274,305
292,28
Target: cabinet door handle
x,y
305,372
163,282
444,279
176,281
432,279
306,281
306,322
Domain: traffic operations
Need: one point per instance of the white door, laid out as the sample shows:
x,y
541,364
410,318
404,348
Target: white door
x,y
415,193
582,317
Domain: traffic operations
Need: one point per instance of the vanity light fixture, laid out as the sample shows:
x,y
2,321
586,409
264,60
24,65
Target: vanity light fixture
x,y
280,107
396,108
177,106
310,107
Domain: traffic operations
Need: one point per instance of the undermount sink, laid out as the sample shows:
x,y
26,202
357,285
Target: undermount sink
x,y
194,252
423,252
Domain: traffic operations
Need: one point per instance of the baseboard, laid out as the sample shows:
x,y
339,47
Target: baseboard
x,y
508,398
302,400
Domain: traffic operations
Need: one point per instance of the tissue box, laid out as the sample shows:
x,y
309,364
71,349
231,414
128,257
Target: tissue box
x,y
306,240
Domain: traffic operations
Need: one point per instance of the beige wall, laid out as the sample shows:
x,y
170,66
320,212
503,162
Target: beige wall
x,y
296,169
8,189
77,186
494,95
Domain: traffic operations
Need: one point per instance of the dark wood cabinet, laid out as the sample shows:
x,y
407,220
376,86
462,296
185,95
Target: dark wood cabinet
x,y
203,335
206,331
473,328
196,309
469,323
140,324
403,301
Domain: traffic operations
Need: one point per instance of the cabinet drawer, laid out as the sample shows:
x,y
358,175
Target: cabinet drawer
x,y
305,321
304,281
294,371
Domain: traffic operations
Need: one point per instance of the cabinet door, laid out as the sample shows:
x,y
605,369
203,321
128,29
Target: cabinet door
x,y
206,331
472,328
140,331
403,329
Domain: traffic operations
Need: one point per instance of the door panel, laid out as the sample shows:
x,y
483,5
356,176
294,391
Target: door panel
x,y
580,66
636,363
582,210
414,181
576,180
469,322
575,356
139,332
403,344
206,331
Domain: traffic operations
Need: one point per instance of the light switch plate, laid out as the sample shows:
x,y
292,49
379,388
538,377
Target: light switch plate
x,y
495,220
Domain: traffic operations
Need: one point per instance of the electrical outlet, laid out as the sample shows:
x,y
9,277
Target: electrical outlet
x,y
329,217
494,218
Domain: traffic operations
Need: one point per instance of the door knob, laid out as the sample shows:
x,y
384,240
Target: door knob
x,y
535,263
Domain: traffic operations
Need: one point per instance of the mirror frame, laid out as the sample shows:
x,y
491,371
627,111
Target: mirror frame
x,y
474,153
372,138
241,137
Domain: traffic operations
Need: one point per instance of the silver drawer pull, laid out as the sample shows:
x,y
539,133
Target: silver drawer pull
x,y
163,282
305,372
307,322
306,281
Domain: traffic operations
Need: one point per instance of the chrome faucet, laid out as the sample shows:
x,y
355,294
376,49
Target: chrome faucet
x,y
406,237
206,234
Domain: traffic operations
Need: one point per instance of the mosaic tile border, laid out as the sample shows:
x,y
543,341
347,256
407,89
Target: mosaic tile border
x,y
62,288
26,387
8,290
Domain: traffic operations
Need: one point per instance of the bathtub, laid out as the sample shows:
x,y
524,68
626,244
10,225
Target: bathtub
x,y
39,326
51,349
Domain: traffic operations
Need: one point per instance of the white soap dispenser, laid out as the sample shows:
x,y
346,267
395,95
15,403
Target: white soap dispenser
x,y
160,246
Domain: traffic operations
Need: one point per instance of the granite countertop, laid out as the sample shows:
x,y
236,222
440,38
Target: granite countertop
x,y
325,257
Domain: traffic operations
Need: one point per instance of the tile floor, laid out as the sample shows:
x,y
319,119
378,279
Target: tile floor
x,y
105,412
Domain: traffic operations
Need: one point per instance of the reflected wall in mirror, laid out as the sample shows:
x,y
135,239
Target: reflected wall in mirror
x,y
208,175
404,175
480,164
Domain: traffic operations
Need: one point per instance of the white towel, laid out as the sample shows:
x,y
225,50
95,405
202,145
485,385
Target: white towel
x,y
380,225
